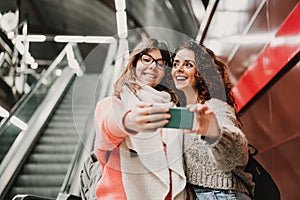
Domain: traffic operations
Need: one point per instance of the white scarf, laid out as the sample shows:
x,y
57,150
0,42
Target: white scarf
x,y
150,150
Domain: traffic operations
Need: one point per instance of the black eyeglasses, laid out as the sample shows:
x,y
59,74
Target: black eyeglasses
x,y
148,60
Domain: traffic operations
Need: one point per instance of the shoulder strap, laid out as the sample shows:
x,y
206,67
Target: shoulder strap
x,y
252,150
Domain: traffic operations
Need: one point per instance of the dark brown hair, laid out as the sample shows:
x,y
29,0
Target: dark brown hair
x,y
211,78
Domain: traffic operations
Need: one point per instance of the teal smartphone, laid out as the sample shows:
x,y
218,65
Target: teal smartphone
x,y
181,118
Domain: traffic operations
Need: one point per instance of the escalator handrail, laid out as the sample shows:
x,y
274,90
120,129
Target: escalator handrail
x,y
30,197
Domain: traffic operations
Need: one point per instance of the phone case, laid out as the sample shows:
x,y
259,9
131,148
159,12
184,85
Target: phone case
x,y
181,118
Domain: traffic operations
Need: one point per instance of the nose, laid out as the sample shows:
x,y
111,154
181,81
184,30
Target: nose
x,y
153,65
180,68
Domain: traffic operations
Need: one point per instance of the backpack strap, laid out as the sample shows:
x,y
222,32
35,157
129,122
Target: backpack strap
x,y
252,150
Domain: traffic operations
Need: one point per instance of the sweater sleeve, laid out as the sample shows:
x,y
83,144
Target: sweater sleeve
x,y
108,124
231,148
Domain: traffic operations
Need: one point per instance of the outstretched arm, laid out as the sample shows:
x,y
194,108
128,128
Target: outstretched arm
x,y
108,123
113,123
216,120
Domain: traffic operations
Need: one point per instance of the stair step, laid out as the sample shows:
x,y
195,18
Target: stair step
x,y
45,169
63,139
47,148
50,158
40,180
40,191
55,131
60,124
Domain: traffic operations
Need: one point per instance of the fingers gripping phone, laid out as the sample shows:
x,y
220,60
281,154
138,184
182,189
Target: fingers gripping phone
x,y
181,118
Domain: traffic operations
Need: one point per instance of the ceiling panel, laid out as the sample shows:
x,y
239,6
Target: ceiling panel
x,y
171,14
74,17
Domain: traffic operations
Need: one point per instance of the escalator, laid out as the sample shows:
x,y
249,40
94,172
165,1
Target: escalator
x,y
47,165
43,159
8,136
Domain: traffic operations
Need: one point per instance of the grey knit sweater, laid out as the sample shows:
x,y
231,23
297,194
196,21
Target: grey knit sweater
x,y
211,164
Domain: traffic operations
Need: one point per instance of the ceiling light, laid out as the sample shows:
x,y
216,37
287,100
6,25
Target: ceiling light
x,y
3,112
83,39
250,39
28,58
19,123
32,38
289,40
198,9
58,72
2,58
9,21
73,63
120,4
68,38
99,39
122,24
34,65
10,35
45,81
20,47
70,53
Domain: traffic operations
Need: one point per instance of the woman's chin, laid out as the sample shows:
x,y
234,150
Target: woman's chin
x,y
181,86
148,82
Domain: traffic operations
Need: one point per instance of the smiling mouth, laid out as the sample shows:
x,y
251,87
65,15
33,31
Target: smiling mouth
x,y
181,78
152,76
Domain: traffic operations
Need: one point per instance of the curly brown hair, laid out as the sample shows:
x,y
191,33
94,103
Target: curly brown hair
x,y
212,80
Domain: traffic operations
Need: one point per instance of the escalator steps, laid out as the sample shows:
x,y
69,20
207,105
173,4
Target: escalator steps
x,y
46,167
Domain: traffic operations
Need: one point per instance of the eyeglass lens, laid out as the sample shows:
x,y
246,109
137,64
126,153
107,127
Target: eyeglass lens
x,y
148,60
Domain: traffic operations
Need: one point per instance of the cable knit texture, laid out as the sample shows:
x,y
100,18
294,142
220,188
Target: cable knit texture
x,y
211,165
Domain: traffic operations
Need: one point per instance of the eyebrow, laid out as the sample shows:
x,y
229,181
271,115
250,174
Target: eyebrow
x,y
152,56
186,61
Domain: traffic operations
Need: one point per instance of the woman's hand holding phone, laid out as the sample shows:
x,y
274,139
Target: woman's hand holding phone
x,y
195,118
145,117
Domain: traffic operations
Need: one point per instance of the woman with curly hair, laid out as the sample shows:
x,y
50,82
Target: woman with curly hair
x,y
215,150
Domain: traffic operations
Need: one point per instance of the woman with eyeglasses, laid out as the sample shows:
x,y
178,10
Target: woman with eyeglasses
x,y
139,159
215,151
